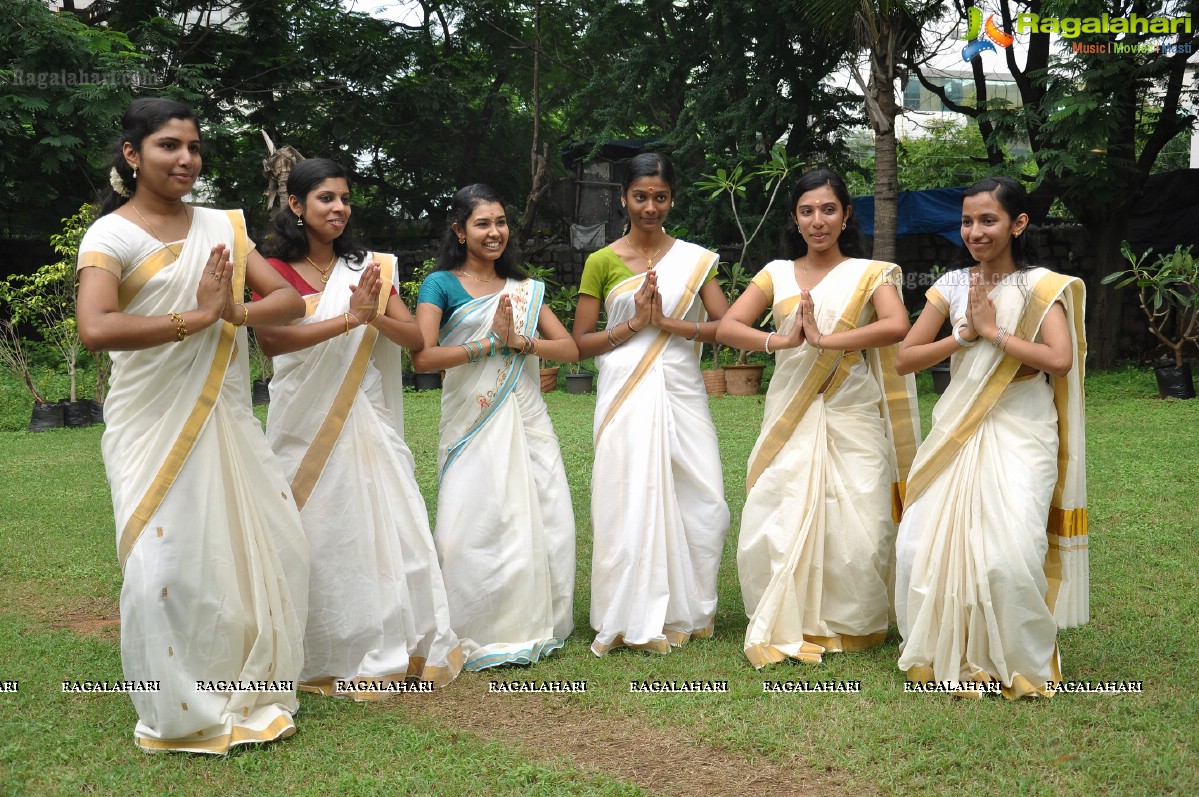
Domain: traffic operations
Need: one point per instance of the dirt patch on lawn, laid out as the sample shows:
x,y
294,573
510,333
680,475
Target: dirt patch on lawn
x,y
661,762
549,728
91,616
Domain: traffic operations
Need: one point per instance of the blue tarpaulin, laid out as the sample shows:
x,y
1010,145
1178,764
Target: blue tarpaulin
x,y
936,210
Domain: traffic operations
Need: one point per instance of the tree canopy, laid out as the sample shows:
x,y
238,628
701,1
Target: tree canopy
x,y
454,92
1095,123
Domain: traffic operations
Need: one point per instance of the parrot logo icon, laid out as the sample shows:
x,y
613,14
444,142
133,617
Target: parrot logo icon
x,y
992,34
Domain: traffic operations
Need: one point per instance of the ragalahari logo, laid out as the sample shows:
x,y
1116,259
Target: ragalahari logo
x,y
991,34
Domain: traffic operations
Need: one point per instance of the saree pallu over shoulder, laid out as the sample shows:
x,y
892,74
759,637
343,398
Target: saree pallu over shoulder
x,y
992,554
505,527
657,490
214,559
496,378
825,480
333,428
983,379
651,348
335,372
195,367
899,408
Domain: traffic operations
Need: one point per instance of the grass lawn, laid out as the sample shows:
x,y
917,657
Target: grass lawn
x,y
59,578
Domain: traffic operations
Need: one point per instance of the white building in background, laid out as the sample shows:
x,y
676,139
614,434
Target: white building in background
x,y
212,17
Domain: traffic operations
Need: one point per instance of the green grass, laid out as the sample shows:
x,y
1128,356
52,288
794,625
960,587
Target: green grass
x,y
58,553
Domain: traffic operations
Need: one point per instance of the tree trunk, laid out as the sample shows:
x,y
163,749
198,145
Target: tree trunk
x,y
882,109
538,159
1105,311
886,196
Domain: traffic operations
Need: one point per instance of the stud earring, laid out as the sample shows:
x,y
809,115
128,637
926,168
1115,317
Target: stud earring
x,y
844,225
461,240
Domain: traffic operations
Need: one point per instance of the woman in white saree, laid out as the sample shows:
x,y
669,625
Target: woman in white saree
x,y
657,488
377,612
505,526
825,479
992,549
214,596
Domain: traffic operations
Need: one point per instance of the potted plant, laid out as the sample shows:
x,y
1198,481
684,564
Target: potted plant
x,y
545,274
15,357
1168,292
564,301
744,378
46,300
263,366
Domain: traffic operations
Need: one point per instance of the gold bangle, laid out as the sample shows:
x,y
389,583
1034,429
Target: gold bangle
x,y
245,315
180,326
347,317
632,328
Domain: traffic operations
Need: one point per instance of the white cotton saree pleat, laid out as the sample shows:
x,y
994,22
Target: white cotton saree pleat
x,y
657,489
215,563
377,605
505,526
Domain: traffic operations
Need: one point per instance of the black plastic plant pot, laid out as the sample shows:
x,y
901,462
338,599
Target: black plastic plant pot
x,y
429,381
260,392
580,382
940,373
1175,381
77,413
46,416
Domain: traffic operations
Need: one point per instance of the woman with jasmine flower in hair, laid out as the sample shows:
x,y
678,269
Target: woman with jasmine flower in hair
x,y
505,526
825,478
215,563
992,549
377,605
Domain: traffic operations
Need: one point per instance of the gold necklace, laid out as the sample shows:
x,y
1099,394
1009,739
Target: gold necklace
x,y
154,232
649,259
803,263
325,272
463,270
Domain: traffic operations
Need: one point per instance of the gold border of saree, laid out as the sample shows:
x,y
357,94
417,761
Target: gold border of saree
x,y
202,410
317,456
694,283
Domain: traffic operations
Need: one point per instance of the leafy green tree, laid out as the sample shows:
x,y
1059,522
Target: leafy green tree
x,y
1096,125
46,298
887,33
720,82
947,153
62,86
